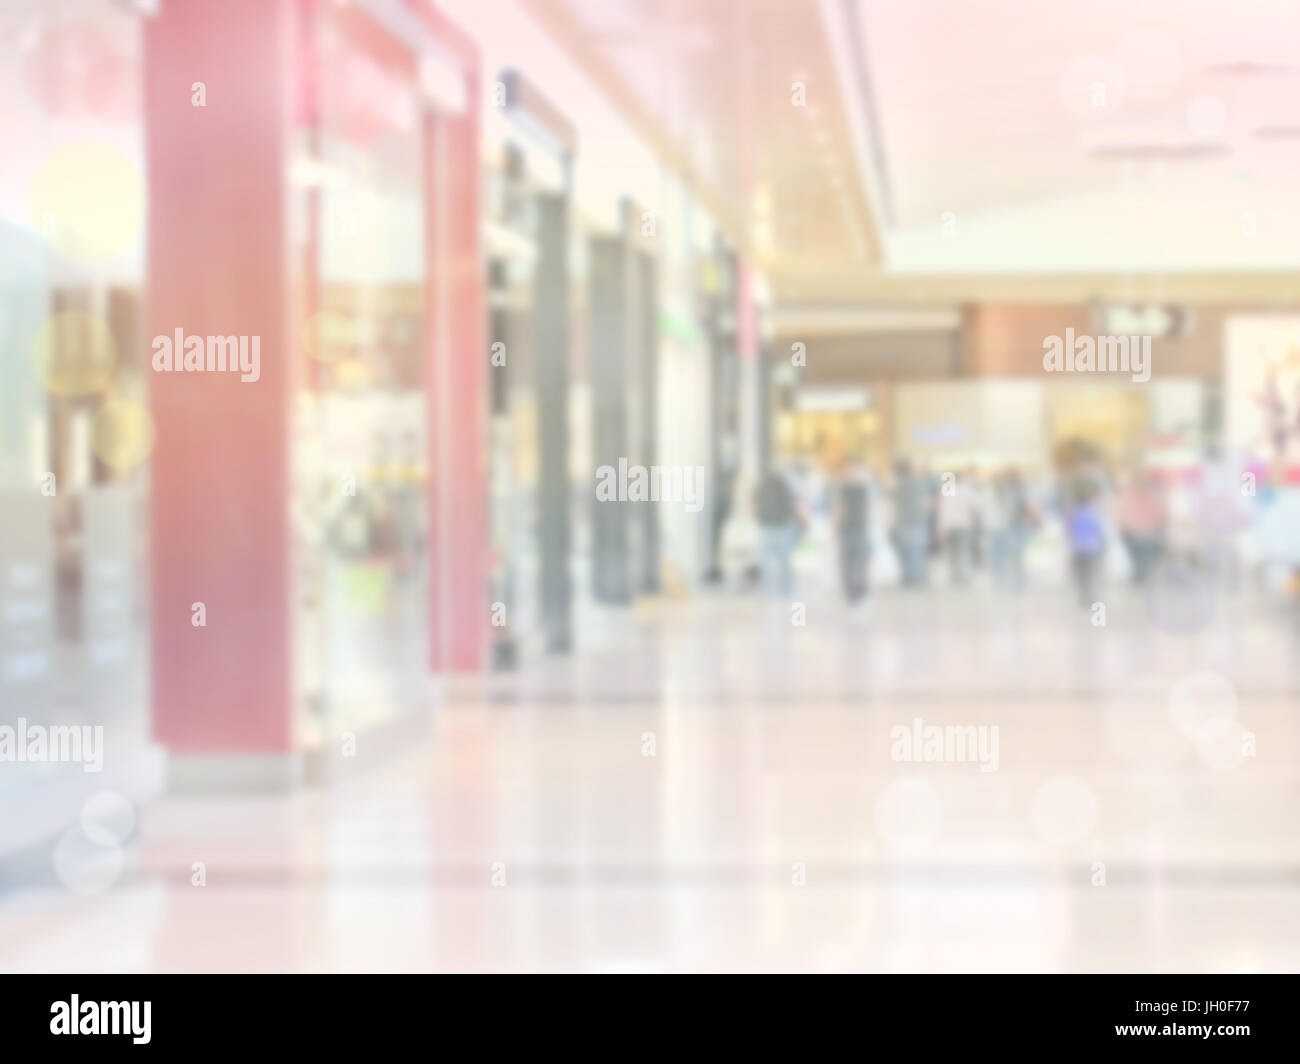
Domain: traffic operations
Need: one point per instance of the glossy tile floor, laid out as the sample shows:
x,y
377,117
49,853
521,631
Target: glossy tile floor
x,y
710,786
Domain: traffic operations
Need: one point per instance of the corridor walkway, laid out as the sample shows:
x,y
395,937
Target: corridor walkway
x,y
707,785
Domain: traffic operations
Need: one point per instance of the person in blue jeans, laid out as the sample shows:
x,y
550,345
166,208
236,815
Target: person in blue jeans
x,y
1085,530
779,525
911,530
1011,522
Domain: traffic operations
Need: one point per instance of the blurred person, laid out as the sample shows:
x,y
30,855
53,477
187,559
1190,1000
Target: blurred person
x,y
409,506
956,527
727,481
851,510
1085,532
1274,414
1222,511
740,548
981,497
780,524
1295,423
809,479
1011,521
1143,518
911,529
934,543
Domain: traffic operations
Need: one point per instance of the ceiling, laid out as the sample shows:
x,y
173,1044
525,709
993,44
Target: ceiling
x,y
718,80
1156,135
950,146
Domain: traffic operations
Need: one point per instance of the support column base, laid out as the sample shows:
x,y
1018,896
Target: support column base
x,y
234,773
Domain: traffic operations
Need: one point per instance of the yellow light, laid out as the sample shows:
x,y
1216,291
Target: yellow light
x,y
74,353
87,200
122,434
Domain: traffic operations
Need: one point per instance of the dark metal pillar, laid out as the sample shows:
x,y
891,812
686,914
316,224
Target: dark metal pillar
x,y
552,367
609,294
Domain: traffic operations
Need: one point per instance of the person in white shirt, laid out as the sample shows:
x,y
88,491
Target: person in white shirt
x,y
956,520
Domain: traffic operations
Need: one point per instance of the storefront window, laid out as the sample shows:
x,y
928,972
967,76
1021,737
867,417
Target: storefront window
x,y
75,432
360,453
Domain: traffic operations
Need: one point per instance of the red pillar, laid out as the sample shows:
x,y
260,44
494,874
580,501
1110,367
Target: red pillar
x,y
457,376
217,264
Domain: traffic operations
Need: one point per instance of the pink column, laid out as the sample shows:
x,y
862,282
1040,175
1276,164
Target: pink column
x,y
457,376
217,264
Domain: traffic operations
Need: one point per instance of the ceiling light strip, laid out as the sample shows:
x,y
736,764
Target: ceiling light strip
x,y
842,20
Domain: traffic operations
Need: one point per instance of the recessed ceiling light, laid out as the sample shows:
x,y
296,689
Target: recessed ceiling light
x,y
1249,68
1188,150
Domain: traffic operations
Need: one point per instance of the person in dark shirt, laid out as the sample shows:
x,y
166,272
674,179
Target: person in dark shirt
x,y
853,527
779,526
